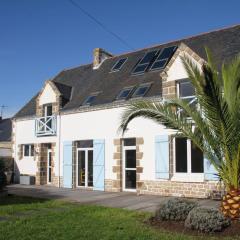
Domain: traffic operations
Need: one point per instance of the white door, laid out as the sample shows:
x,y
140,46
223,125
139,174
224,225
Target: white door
x,y
129,168
49,166
84,171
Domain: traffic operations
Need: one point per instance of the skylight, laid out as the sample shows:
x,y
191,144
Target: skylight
x,y
163,58
124,93
89,100
118,65
141,90
143,64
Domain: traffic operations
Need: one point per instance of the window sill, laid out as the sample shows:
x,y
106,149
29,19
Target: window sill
x,y
188,177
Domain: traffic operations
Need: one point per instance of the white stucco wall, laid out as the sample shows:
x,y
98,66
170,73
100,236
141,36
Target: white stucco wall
x,y
24,132
104,124
101,124
177,70
47,96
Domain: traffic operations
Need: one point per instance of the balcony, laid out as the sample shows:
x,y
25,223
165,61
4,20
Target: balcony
x,y
46,126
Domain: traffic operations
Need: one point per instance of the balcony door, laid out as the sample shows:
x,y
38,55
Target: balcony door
x,y
84,165
48,115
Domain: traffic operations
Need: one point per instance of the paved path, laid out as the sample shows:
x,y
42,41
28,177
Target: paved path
x,y
124,200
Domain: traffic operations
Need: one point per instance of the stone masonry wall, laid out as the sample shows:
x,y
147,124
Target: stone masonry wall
x,y
180,189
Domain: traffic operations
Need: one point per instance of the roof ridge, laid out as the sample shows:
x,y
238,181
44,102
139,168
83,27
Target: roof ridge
x,y
179,39
158,45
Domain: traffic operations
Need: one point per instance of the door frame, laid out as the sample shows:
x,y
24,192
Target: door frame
x,y
124,168
86,167
49,150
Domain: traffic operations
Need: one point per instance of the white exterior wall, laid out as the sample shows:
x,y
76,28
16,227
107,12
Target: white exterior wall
x,y
177,70
47,96
24,131
102,124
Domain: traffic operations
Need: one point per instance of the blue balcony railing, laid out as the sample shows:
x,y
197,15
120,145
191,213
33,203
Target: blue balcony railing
x,y
46,126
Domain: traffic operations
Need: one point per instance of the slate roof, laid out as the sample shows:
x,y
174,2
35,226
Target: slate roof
x,y
83,80
5,130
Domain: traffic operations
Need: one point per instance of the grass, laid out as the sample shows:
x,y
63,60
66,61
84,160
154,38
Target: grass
x,y
29,218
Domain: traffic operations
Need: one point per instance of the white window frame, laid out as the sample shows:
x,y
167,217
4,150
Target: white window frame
x,y
124,168
86,150
30,150
188,176
178,94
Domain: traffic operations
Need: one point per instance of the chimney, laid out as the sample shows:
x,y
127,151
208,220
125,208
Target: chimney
x,y
99,55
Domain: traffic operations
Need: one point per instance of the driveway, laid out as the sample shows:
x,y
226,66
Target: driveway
x,y
124,200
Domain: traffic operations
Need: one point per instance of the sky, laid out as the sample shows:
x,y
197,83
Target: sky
x,y
40,38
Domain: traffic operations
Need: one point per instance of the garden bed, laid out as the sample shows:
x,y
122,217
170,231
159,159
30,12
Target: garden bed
x,y
178,227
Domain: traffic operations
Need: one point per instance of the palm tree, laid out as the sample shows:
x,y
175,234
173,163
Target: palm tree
x,y
215,123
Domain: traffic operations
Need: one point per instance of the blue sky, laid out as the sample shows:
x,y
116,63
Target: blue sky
x,y
39,38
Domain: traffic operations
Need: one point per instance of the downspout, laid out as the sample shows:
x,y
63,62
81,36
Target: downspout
x,y
59,151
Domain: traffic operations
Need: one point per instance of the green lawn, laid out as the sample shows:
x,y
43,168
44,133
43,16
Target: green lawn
x,y
27,218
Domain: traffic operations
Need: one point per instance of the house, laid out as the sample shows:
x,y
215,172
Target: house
x,y
5,138
67,134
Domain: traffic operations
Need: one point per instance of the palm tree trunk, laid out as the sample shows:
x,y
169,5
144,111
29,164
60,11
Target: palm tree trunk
x,y
230,205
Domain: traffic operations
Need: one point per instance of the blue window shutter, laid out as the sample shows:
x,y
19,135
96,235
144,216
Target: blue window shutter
x,y
162,157
98,164
209,170
67,164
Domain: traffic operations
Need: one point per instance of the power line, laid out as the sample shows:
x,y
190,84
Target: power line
x,y
101,25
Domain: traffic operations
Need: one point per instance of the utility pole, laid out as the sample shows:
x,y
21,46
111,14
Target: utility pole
x,y
2,109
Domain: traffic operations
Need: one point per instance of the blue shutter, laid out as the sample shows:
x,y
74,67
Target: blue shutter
x,y
162,157
209,170
67,164
98,164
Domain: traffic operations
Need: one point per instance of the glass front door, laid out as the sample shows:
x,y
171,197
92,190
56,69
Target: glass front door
x,y
84,168
129,168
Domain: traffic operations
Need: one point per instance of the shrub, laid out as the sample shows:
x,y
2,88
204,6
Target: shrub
x,y
175,209
3,180
206,220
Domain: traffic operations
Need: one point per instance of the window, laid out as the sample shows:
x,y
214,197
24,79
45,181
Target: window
x,y
89,100
124,93
118,65
141,90
28,150
144,63
186,91
188,157
163,58
84,144
129,141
